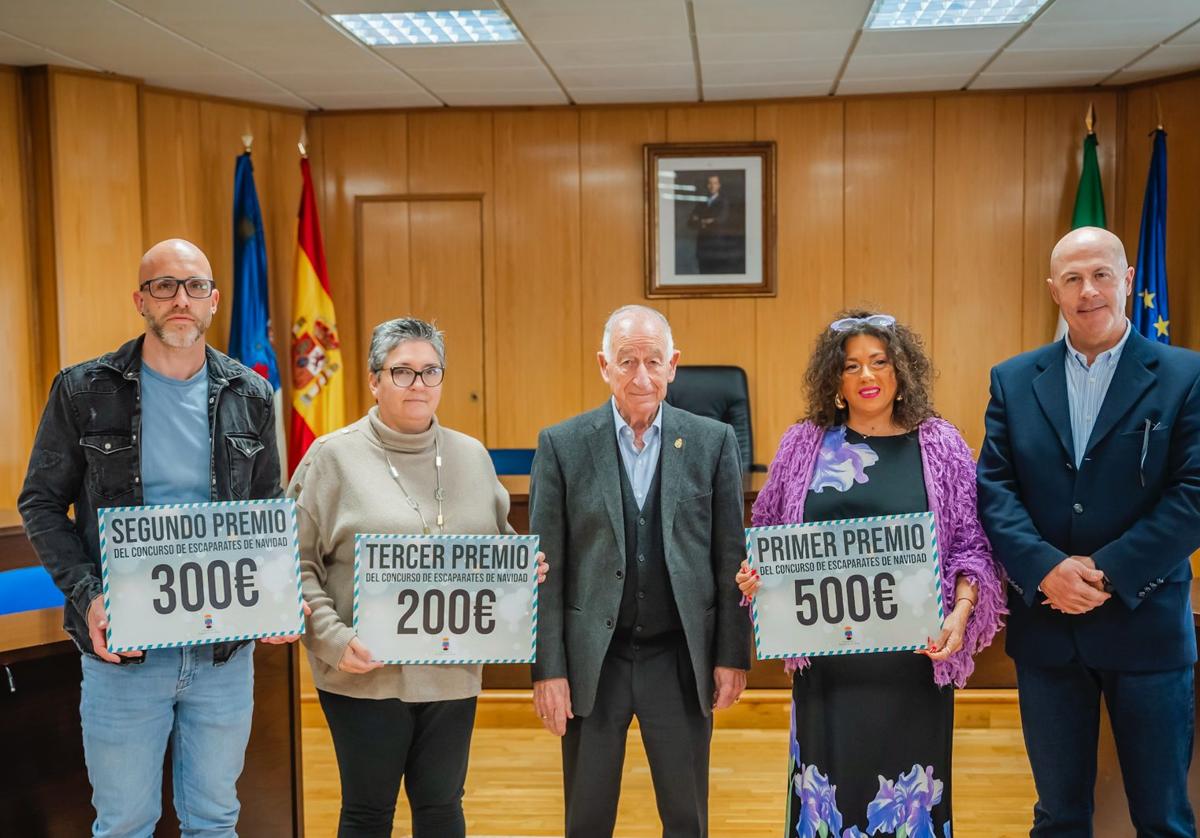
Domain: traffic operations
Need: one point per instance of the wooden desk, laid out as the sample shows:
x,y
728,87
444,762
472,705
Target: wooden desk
x,y
993,668
46,789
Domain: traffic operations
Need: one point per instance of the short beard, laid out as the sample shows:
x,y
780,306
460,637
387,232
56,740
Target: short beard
x,y
172,337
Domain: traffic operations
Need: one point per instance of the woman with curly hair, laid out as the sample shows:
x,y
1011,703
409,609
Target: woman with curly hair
x,y
872,733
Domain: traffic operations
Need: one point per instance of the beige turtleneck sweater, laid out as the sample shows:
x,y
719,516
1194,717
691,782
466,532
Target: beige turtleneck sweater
x,y
342,487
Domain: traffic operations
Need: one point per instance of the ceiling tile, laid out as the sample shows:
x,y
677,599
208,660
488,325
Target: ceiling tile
x,y
909,42
624,52
664,75
900,84
726,92
461,57
1191,35
913,66
375,99
775,46
1003,81
575,20
769,72
1169,59
18,53
1079,61
523,78
465,98
618,95
716,17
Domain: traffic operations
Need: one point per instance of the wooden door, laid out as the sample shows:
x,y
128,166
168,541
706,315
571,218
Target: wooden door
x,y
424,258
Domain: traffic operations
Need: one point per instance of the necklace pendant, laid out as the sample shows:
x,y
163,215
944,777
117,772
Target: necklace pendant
x,y
425,529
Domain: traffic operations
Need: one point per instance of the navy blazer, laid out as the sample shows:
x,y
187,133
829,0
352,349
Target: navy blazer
x,y
1133,505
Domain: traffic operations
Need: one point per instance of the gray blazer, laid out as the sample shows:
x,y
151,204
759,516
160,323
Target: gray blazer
x,y
575,507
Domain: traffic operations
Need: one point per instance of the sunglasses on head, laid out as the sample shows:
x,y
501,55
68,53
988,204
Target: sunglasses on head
x,y
879,321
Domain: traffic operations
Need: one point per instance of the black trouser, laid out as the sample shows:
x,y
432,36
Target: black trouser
x,y
381,741
661,691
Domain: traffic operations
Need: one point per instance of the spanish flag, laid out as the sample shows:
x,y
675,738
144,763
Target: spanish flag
x,y
318,400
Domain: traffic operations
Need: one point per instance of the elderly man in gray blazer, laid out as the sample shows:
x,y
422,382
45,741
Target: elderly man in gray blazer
x,y
639,510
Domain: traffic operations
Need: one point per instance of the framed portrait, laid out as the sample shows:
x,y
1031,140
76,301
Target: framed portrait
x,y
710,219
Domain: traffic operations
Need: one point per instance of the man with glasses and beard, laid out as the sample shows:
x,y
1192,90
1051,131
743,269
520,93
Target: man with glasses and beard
x,y
164,419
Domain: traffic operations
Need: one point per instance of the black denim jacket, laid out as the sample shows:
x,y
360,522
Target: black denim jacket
x,y
87,453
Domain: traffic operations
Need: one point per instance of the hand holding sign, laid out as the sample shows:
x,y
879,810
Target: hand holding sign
x,y
447,598
843,587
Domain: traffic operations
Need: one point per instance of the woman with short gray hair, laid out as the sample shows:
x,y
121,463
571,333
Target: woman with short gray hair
x,y
395,470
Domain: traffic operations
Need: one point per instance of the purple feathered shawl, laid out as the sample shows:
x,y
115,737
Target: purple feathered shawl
x,y
950,486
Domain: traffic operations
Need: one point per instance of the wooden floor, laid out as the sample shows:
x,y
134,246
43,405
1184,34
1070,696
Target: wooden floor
x,y
514,787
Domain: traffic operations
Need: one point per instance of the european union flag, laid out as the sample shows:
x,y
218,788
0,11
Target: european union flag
x,y
250,329
1150,315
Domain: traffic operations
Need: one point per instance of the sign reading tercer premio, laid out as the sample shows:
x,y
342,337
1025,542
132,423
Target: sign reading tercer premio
x,y
185,574
846,587
446,598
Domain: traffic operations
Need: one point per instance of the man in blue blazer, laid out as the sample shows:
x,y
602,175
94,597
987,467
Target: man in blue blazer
x,y
1089,489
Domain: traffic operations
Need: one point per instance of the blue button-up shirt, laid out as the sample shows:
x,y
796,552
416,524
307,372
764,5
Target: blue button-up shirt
x,y
639,465
1086,388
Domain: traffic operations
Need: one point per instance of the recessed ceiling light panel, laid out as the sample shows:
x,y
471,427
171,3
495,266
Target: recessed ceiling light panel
x,y
422,29
935,14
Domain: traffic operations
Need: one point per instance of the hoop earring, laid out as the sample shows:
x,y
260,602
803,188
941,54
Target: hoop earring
x,y
899,397
839,402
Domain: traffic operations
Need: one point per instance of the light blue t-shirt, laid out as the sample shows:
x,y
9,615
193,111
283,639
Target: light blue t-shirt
x,y
175,441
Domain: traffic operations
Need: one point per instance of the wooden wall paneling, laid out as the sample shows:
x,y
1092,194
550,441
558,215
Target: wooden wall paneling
x,y
39,117
18,304
173,182
612,224
97,211
977,260
452,153
709,331
353,155
222,126
810,140
537,303
889,208
424,259
1054,133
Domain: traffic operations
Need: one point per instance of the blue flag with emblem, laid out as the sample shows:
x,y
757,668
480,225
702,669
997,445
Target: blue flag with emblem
x,y
1150,315
250,326
250,329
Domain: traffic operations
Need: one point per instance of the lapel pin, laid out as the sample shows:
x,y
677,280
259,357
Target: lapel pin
x,y
679,442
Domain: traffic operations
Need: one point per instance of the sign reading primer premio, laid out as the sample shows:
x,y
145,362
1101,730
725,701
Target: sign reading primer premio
x,y
185,574
846,587
421,599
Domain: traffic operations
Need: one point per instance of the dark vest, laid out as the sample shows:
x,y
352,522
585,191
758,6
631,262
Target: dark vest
x,y
648,617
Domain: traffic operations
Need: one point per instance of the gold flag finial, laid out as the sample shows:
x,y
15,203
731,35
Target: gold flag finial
x,y
247,141
303,142
1158,110
1090,119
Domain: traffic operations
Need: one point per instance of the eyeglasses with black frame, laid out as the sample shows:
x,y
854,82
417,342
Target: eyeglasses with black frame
x,y
166,287
405,376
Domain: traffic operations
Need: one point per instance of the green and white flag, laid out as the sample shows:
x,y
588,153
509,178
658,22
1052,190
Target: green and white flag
x,y
1089,203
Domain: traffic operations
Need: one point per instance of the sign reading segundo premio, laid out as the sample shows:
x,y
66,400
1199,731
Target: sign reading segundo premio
x,y
846,587
185,574
446,598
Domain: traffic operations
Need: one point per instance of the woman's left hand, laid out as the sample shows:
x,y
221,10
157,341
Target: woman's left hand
x,y
543,567
953,630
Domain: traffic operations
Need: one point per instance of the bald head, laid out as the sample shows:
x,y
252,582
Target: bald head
x,y
1090,280
1093,241
174,257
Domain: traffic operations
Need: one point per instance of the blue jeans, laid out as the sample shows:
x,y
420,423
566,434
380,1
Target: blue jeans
x,y
128,713
1152,723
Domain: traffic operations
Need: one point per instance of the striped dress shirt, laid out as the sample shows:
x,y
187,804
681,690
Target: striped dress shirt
x,y
1086,388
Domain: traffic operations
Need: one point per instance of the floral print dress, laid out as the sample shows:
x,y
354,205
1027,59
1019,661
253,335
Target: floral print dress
x,y
871,734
